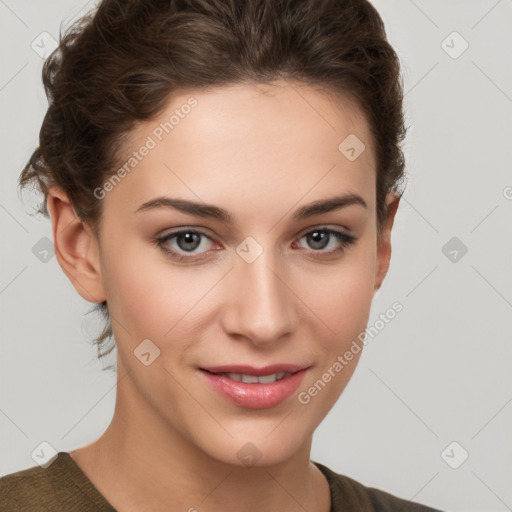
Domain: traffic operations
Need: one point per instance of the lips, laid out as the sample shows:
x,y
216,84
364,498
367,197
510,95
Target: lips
x,y
255,388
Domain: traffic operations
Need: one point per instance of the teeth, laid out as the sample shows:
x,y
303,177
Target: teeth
x,y
253,379
268,379
249,379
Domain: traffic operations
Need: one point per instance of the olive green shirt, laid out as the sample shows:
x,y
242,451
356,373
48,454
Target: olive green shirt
x,y
64,487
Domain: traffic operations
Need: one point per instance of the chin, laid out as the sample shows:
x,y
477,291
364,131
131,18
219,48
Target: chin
x,y
257,450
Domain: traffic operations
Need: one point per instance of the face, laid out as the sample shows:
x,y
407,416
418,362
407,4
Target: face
x,y
261,276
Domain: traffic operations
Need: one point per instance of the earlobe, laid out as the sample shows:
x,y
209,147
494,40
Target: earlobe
x,y
384,247
76,247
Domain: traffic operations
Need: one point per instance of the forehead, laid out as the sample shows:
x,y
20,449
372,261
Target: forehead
x,y
249,140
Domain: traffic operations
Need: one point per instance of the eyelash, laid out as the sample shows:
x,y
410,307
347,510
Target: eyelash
x,y
161,242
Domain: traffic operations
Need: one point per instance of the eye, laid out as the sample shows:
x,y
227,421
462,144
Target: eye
x,y
322,238
189,244
184,241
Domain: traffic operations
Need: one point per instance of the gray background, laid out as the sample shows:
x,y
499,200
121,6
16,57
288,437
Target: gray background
x,y
439,372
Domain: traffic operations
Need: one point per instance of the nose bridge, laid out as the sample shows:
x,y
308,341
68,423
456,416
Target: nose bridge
x,y
263,308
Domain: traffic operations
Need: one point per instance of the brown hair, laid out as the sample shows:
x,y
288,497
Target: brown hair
x,y
119,65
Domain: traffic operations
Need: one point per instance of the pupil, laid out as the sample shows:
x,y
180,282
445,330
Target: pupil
x,y
319,239
190,239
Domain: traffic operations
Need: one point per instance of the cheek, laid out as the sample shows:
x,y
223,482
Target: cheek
x,y
150,298
154,299
340,297
341,302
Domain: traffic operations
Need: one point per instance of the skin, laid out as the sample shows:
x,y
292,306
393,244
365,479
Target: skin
x,y
260,152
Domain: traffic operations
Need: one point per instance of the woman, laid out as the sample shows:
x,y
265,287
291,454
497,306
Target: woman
x,y
222,179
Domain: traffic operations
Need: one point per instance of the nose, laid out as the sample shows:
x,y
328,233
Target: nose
x,y
260,305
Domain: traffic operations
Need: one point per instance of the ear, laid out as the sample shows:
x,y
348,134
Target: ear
x,y
384,247
76,247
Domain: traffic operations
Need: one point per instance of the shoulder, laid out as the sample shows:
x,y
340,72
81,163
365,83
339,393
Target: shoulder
x,y
30,489
57,487
348,494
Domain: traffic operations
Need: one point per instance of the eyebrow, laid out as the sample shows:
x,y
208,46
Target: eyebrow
x,y
214,212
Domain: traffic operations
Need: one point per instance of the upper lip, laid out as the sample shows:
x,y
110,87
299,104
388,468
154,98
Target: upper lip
x,y
251,370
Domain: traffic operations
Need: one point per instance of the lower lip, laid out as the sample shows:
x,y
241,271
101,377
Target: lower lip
x,y
255,396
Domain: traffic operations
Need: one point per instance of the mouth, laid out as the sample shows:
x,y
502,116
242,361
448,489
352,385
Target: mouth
x,y
255,379
255,388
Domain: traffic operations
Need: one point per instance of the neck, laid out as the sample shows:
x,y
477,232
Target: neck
x,y
142,463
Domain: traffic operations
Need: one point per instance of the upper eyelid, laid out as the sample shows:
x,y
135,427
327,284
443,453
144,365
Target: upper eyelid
x,y
324,227
178,231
